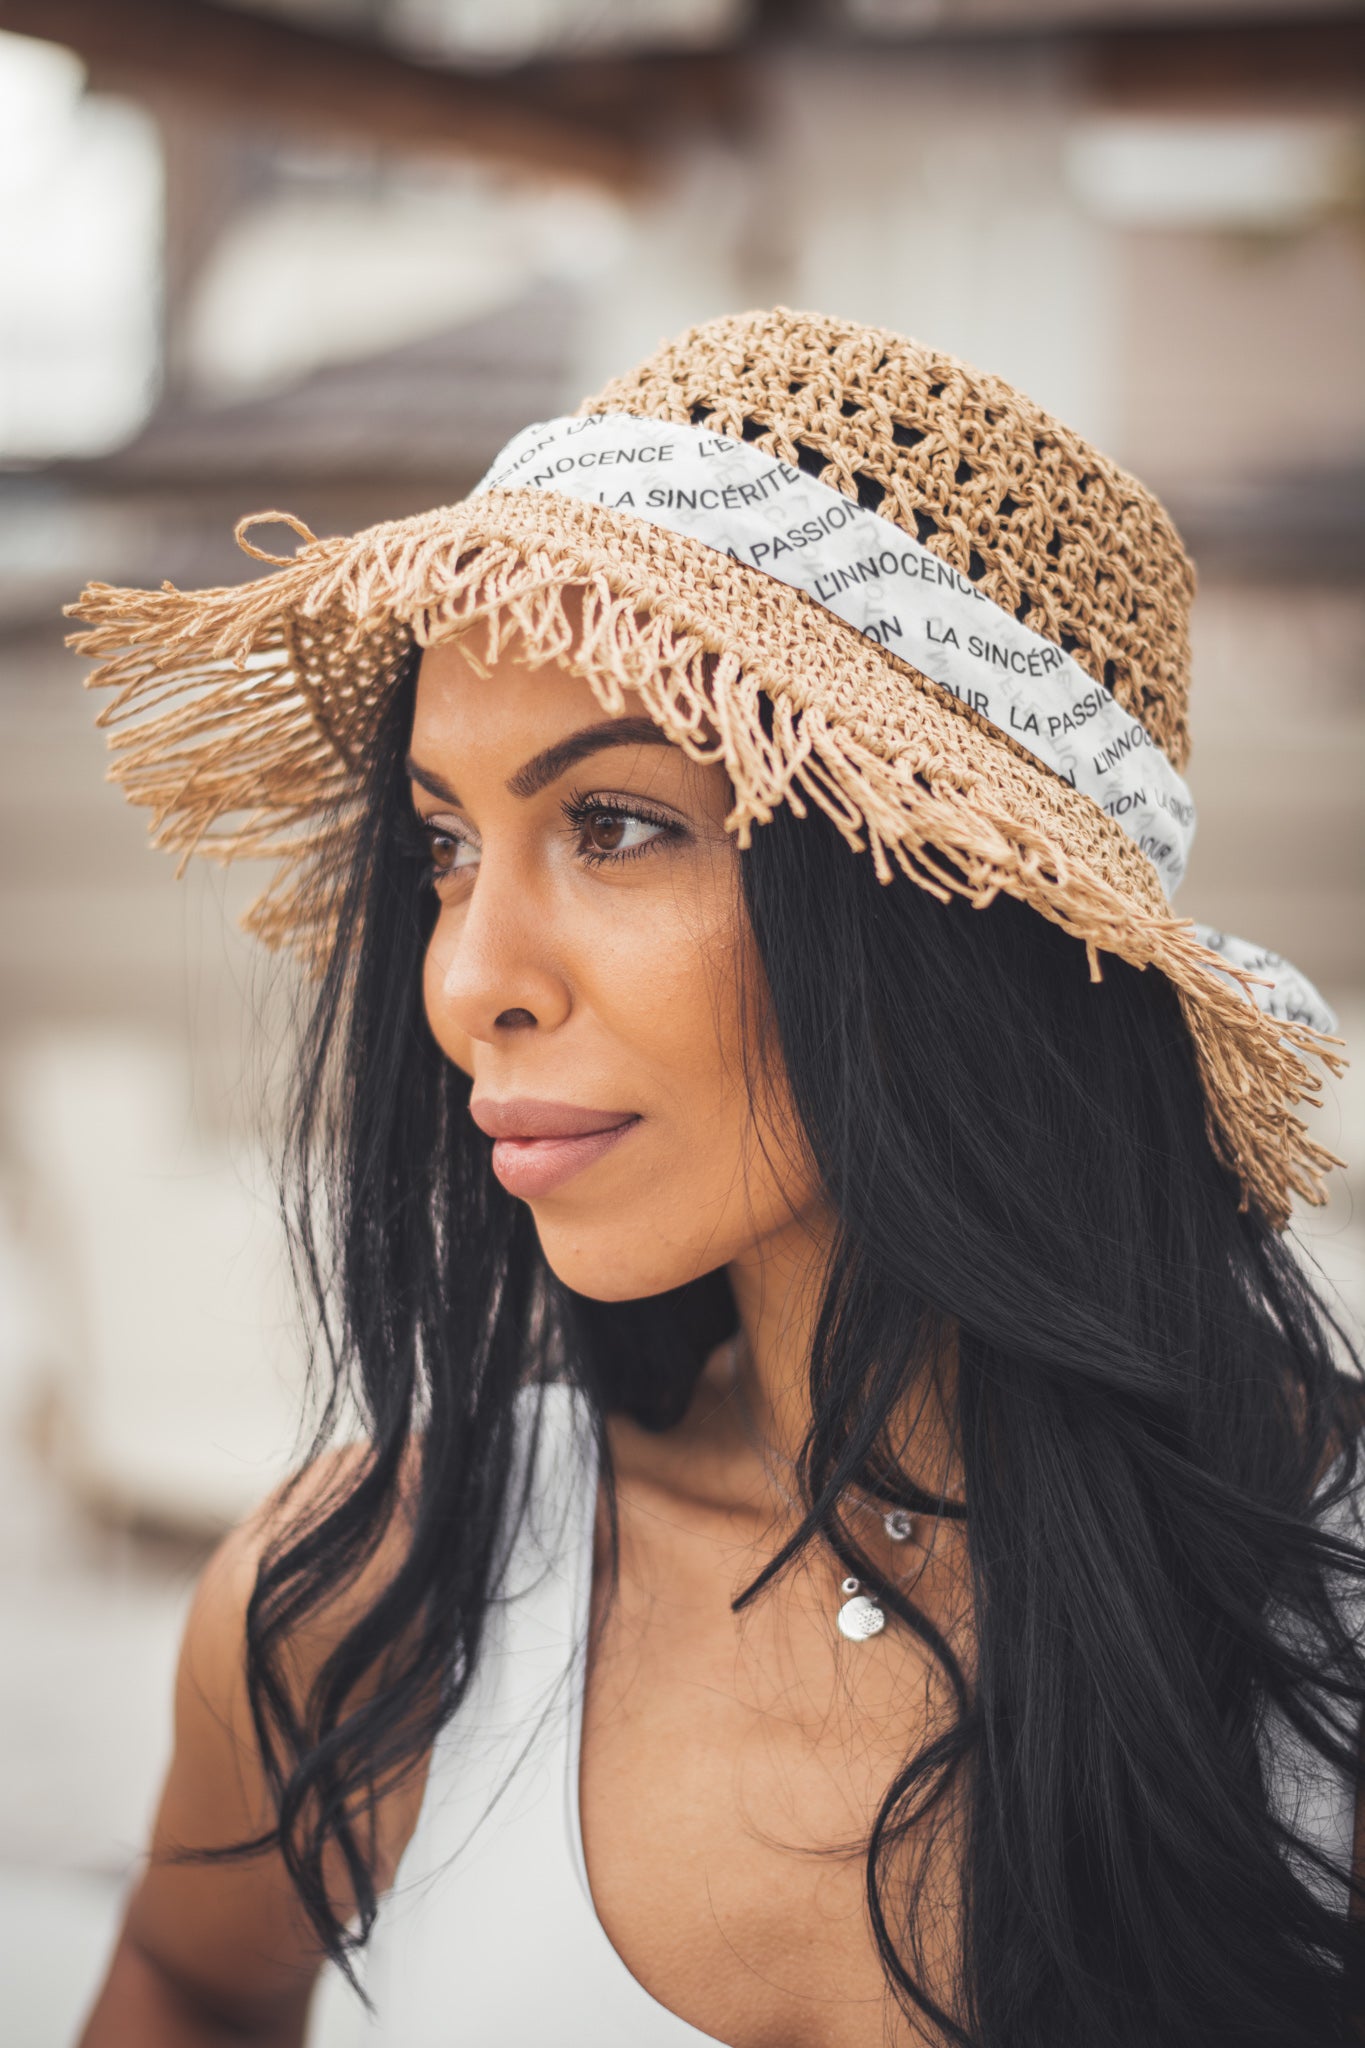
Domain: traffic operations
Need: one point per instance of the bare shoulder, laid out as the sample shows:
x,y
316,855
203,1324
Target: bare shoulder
x,y
216,1739
230,1937
215,1633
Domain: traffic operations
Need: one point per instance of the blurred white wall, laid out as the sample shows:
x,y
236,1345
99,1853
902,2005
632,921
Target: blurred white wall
x,y
80,255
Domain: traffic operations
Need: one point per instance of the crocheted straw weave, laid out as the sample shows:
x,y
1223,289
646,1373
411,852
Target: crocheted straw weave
x,y
242,717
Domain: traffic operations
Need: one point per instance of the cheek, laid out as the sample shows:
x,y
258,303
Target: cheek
x,y
714,1172
664,987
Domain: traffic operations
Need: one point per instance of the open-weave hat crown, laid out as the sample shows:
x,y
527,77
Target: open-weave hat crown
x,y
243,716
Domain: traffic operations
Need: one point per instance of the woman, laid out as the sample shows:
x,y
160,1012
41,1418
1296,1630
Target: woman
x,y
853,1533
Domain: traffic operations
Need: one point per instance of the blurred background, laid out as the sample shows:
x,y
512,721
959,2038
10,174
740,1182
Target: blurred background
x,y
328,255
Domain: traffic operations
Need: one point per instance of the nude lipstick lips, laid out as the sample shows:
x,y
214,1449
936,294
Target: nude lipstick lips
x,y
537,1146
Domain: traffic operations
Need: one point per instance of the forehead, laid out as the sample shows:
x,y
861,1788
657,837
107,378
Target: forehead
x,y
504,709
514,728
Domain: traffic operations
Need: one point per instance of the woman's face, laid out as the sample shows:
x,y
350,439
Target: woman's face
x,y
591,969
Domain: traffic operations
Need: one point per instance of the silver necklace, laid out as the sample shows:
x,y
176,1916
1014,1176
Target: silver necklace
x,y
860,1617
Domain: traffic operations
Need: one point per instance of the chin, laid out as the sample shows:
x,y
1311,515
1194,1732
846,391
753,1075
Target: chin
x,y
612,1263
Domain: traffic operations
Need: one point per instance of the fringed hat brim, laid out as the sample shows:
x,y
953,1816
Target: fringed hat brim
x,y
242,718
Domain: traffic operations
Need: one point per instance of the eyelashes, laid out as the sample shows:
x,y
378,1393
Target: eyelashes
x,y
592,813
601,826
418,842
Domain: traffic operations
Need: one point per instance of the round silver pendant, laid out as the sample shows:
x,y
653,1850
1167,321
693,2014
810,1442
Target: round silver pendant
x,y
899,1524
860,1618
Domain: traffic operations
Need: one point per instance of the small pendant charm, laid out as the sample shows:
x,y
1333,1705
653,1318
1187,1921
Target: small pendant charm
x,y
859,1618
899,1524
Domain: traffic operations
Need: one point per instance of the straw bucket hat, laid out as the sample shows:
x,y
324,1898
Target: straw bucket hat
x,y
858,573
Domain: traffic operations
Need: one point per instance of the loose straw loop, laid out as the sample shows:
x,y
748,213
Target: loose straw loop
x,y
243,526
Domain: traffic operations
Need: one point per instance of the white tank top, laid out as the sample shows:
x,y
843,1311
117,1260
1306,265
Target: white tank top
x,y
490,1938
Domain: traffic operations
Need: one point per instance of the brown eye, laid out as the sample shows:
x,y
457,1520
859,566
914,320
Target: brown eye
x,y
605,831
448,853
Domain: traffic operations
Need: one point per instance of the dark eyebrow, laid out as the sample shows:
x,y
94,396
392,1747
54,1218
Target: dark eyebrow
x,y
544,768
431,781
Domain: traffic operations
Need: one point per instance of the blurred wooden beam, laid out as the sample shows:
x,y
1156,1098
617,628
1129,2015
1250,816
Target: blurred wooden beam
x,y
1143,53
1229,66
260,71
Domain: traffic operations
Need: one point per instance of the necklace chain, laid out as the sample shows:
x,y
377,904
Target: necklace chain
x,y
860,1617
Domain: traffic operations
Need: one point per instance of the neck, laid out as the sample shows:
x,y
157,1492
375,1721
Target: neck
x,y
777,1289
751,1412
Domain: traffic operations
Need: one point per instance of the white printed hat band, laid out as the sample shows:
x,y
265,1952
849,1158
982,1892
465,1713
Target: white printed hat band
x,y
887,585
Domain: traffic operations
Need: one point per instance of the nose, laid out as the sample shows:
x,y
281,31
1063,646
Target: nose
x,y
490,965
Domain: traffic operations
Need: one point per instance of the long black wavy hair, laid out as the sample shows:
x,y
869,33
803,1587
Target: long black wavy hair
x,y
1147,1395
